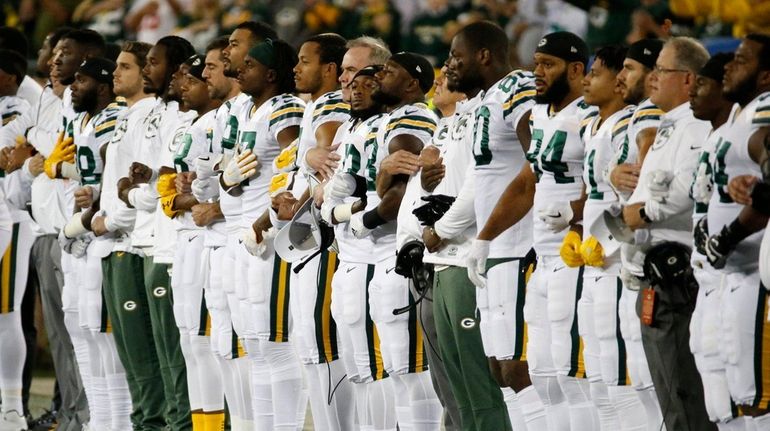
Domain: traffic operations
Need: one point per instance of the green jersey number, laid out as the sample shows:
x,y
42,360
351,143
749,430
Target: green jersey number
x,y
86,163
231,133
181,153
594,193
720,176
550,159
481,138
353,162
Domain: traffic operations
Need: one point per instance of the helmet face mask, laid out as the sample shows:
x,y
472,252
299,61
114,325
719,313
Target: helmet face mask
x,y
305,235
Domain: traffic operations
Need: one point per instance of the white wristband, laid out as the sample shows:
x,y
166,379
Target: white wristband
x,y
68,170
74,227
343,212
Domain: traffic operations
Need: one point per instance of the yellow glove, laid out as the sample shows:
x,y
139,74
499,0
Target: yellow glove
x,y
287,159
281,183
167,205
63,151
570,250
592,252
166,186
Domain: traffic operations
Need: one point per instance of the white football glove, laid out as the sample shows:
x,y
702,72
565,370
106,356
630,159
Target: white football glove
x,y
340,186
327,209
205,190
255,248
658,184
357,226
206,165
80,245
65,243
556,216
702,187
477,262
239,168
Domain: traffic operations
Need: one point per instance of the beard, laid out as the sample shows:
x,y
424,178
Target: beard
x,y
556,92
635,94
363,114
743,91
87,103
466,85
385,99
230,71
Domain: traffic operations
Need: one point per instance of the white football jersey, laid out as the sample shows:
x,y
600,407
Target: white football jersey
x,y
90,134
556,156
703,183
731,159
602,141
228,119
197,140
12,107
259,133
499,157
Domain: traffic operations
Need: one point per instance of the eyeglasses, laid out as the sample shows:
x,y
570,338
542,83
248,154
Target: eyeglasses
x,y
661,70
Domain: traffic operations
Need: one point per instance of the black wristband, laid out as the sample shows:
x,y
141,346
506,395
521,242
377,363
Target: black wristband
x,y
361,186
372,219
643,215
734,233
760,197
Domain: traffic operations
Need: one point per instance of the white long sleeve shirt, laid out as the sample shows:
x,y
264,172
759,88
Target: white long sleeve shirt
x,y
676,149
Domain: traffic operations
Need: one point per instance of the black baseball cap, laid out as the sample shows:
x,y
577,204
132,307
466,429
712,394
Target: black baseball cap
x,y
418,68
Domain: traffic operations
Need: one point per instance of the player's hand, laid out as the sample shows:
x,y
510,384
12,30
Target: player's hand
x,y
36,165
323,160
203,214
285,205
719,246
434,208
570,250
658,184
432,241
477,262
207,166
401,162
357,226
433,168
64,242
84,197
702,186
79,246
97,226
287,159
625,176
343,185
205,190
592,252
124,187
556,216
240,168
183,182
740,188
701,235
254,242
318,194
5,154
139,173
63,152
18,155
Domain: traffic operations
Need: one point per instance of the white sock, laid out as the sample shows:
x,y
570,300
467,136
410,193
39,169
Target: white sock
x,y
382,404
363,418
302,403
211,396
582,412
532,409
761,423
82,354
649,400
228,387
286,380
608,416
194,392
13,351
339,395
241,368
629,408
120,402
403,403
556,407
514,410
261,390
100,407
317,395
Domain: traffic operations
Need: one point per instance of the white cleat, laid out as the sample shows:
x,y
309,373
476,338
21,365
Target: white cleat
x,y
13,421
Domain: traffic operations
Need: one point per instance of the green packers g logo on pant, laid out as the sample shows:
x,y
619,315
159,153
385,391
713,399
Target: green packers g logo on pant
x,y
129,305
159,292
468,323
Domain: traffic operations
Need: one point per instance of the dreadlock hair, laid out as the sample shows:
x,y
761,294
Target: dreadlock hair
x,y
177,51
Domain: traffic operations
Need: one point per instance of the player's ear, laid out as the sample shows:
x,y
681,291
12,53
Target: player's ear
x,y
484,56
272,75
763,78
